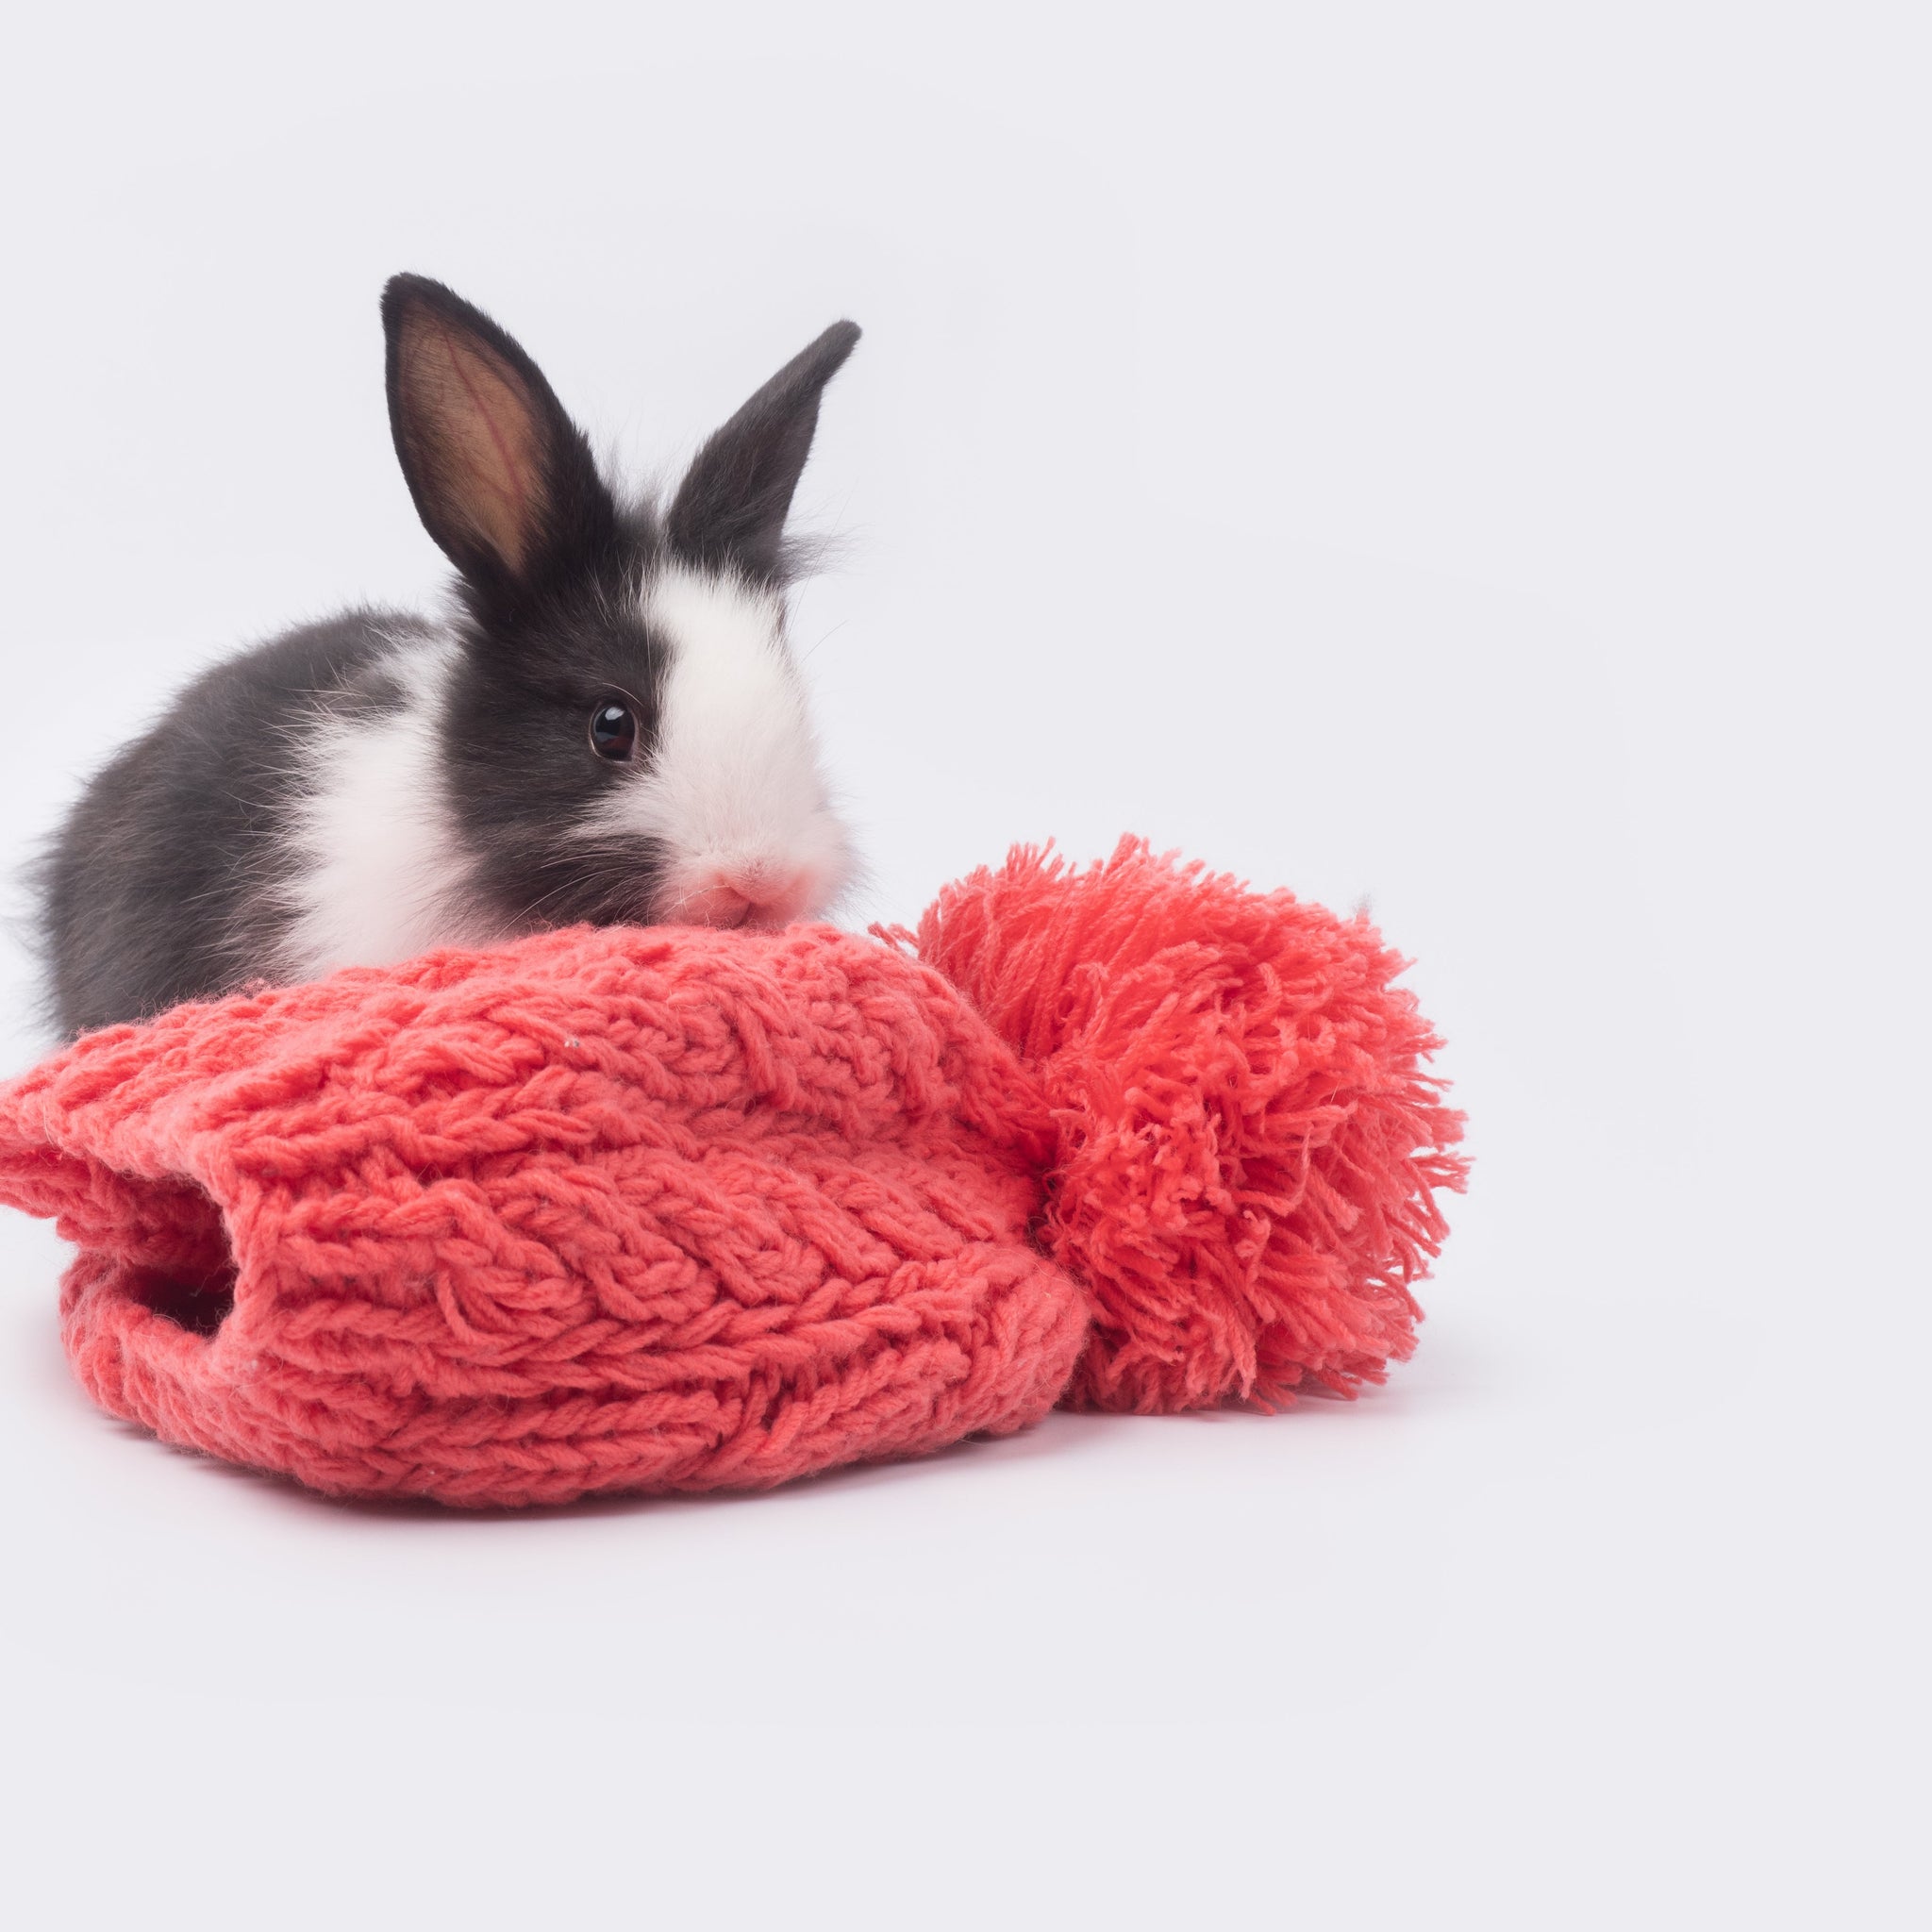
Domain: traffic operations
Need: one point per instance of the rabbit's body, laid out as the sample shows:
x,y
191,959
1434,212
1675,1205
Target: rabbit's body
x,y
609,729
178,874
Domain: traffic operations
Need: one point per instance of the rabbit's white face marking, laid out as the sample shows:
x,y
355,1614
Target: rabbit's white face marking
x,y
380,872
732,787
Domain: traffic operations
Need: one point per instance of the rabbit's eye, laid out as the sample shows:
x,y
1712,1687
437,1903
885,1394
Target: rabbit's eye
x,y
614,731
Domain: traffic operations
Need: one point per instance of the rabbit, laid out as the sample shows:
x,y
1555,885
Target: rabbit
x,y
609,726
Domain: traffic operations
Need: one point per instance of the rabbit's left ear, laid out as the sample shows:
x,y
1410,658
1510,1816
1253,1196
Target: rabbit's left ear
x,y
730,511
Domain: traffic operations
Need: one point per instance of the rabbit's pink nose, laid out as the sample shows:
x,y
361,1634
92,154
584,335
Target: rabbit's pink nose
x,y
756,892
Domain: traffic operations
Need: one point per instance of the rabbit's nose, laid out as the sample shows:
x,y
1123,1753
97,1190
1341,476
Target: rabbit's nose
x,y
750,892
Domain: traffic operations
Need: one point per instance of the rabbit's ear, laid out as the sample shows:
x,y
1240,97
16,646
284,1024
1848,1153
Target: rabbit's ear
x,y
730,511
503,479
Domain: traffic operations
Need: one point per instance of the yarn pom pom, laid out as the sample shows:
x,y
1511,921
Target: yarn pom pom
x,y
1248,1143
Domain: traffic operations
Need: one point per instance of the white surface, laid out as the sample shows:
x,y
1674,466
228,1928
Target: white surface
x,y
1474,458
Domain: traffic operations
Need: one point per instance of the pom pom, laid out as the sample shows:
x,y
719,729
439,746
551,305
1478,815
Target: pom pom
x,y
1248,1143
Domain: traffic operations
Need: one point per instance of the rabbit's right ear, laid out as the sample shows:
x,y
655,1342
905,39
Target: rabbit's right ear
x,y
503,479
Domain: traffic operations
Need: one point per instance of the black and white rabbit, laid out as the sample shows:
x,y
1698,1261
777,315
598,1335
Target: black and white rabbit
x,y
608,727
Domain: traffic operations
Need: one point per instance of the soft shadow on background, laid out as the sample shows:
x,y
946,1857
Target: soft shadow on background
x,y
1472,462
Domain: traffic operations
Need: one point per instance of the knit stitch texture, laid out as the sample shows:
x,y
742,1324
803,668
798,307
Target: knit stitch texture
x,y
675,1209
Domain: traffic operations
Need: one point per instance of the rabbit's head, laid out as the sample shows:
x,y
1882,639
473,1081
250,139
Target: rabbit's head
x,y
625,735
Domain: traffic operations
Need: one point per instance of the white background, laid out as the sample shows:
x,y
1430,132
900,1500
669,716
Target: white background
x,y
1473,458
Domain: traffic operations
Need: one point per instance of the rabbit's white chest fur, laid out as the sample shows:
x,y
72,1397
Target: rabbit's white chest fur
x,y
380,873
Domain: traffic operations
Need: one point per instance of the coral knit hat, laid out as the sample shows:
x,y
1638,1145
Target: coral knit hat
x,y
619,1209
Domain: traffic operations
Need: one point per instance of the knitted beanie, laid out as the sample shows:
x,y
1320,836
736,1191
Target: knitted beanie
x,y
672,1209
